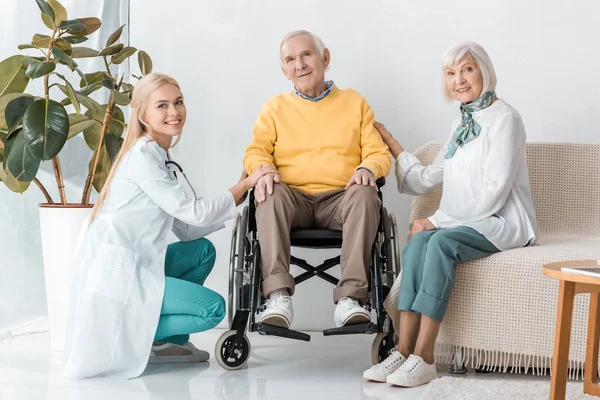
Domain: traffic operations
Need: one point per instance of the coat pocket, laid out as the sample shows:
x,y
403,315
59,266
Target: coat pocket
x,y
111,272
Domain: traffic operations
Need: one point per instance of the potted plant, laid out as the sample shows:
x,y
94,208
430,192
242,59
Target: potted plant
x,y
35,129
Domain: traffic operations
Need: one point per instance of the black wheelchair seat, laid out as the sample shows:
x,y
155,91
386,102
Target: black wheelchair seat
x,y
316,238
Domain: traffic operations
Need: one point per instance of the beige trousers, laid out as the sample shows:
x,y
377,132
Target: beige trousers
x,y
354,211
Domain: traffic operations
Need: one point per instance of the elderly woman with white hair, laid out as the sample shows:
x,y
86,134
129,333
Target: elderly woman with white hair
x,y
486,207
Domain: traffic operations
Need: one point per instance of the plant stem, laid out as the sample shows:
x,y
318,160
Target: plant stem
x,y
87,191
106,64
44,191
55,161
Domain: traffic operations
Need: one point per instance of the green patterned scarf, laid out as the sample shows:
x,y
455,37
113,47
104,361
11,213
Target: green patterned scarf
x,y
469,129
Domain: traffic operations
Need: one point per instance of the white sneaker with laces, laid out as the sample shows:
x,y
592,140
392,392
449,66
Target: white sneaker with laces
x,y
349,312
174,353
380,372
279,311
414,372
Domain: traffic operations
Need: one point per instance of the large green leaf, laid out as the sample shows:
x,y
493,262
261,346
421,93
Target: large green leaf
x,y
13,78
38,69
46,127
94,77
64,58
11,182
121,98
89,89
145,62
64,46
14,112
18,160
114,36
113,145
87,102
102,170
26,46
47,21
123,55
41,41
75,39
108,82
73,25
117,125
92,24
46,9
77,123
4,100
111,50
72,97
60,14
83,52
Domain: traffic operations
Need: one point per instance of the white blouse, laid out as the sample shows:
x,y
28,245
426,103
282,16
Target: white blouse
x,y
485,183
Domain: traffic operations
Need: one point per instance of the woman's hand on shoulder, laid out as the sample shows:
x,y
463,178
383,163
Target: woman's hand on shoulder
x,y
383,131
395,148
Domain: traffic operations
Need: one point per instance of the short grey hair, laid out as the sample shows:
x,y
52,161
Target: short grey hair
x,y
457,52
320,46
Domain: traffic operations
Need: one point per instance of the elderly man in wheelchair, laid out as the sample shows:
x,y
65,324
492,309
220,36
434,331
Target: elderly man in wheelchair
x,y
330,163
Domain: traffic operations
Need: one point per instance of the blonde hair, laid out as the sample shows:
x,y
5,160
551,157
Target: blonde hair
x,y
457,52
135,129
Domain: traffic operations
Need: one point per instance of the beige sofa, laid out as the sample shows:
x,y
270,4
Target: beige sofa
x,y
502,311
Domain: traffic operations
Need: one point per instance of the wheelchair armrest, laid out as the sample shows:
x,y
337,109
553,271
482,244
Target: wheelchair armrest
x,y
380,182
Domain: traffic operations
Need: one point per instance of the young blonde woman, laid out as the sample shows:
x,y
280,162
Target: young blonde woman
x,y
136,299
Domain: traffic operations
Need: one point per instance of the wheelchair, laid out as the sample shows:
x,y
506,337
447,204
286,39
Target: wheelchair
x,y
246,301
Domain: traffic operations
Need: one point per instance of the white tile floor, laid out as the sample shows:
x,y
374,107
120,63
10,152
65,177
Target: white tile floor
x,y
325,368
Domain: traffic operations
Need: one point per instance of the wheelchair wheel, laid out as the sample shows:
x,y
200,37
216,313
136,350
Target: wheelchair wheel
x,y
240,354
382,346
236,263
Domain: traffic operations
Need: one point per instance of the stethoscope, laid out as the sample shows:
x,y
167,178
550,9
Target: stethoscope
x,y
182,173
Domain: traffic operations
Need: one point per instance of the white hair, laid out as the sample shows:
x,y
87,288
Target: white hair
x,y
319,45
457,52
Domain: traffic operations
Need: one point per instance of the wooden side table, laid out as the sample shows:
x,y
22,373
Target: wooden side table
x,y
570,285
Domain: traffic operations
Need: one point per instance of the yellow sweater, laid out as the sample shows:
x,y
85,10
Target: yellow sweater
x,y
316,146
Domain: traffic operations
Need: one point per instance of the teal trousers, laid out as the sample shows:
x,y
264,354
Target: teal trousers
x,y
188,307
429,267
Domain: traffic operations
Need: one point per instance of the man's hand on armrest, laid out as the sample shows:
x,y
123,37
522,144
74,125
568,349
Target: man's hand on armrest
x,y
362,176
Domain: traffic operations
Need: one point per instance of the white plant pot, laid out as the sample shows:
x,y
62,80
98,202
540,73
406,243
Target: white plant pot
x,y
59,227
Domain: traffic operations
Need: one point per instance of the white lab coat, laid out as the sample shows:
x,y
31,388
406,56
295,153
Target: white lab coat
x,y
485,183
119,282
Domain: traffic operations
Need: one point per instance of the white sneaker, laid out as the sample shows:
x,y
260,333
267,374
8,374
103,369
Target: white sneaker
x,y
174,353
279,311
349,312
380,372
414,372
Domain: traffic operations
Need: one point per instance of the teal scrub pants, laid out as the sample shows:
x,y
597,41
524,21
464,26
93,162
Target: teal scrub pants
x,y
428,267
188,307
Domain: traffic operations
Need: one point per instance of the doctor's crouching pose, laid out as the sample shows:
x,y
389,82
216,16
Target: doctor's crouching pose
x,y
135,299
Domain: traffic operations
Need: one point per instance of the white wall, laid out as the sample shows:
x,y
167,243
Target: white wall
x,y
22,291
224,54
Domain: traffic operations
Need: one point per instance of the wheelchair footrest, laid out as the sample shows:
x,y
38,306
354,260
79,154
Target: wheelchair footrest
x,y
366,328
272,330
